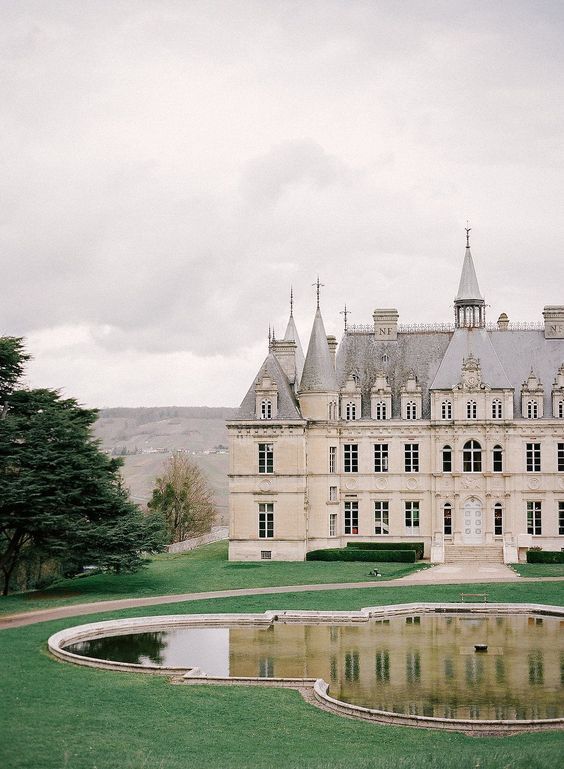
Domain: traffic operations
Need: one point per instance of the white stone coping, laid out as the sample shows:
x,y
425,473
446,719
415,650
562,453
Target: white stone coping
x,y
319,687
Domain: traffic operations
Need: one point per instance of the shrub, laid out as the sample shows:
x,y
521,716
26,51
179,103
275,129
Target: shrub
x,y
545,556
417,546
361,554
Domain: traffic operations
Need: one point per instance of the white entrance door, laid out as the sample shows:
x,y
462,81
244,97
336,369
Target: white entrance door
x,y
473,520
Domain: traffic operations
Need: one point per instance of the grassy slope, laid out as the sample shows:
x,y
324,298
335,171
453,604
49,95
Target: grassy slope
x,y
539,569
206,568
58,715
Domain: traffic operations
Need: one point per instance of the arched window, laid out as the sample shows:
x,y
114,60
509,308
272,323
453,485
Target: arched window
x,y
496,409
266,409
532,410
472,457
561,410
447,459
446,410
332,410
411,410
498,519
497,459
350,411
471,410
380,410
447,518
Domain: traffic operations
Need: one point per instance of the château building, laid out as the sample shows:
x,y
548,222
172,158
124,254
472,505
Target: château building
x,y
452,435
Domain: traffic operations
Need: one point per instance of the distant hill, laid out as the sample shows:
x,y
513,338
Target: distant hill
x,y
146,436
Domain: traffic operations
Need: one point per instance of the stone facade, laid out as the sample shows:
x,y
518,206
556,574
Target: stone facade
x,y
446,435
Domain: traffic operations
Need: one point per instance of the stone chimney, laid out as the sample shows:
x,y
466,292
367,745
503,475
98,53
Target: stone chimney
x,y
332,342
503,322
385,325
285,352
554,321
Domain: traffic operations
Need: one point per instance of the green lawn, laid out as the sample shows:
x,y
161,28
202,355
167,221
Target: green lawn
x,y
206,568
55,715
539,569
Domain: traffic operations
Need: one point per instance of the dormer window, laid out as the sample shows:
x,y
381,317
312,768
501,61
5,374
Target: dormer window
x,y
350,411
532,410
471,410
380,410
446,410
561,410
411,410
266,409
496,409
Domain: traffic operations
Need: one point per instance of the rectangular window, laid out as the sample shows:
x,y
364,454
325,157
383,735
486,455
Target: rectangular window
x,y
351,457
534,522
561,517
447,519
560,456
412,515
381,517
332,493
332,524
332,459
380,457
533,457
266,520
266,457
411,457
498,519
266,555
351,517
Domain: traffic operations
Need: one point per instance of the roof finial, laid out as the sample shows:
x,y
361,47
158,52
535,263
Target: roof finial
x,y
345,313
269,337
318,284
467,228
291,301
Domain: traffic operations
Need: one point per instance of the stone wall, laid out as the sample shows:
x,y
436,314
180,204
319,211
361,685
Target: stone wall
x,y
217,533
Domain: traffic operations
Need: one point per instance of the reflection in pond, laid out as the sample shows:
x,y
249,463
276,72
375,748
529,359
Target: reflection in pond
x,y
423,666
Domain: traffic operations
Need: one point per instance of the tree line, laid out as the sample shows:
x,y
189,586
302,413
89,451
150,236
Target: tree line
x,y
62,500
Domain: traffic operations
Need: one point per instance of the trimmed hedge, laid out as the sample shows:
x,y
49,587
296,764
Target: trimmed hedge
x,y
361,554
545,556
417,546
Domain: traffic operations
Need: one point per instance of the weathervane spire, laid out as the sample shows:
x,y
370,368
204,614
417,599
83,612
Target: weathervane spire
x,y
345,313
467,228
318,285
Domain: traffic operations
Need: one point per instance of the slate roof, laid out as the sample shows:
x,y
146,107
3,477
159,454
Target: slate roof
x,y
318,373
287,404
519,351
476,342
364,356
468,289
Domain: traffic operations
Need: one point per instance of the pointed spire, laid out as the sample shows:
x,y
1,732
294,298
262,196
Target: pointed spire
x,y
469,305
319,372
291,335
468,287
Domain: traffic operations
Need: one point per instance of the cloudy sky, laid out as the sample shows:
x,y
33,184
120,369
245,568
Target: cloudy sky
x,y
171,167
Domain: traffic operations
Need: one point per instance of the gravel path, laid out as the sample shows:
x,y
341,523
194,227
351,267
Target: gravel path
x,y
447,574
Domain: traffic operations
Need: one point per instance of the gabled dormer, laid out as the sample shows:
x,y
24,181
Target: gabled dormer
x,y
351,399
381,398
558,394
532,397
410,398
266,396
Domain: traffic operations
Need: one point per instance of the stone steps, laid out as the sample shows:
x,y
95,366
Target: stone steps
x,y
473,553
